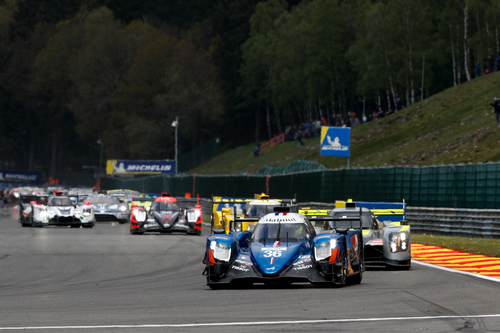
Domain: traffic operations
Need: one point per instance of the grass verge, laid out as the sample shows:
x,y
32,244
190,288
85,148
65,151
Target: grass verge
x,y
455,126
486,247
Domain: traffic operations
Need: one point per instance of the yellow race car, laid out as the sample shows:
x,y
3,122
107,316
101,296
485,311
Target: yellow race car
x,y
127,196
224,210
142,202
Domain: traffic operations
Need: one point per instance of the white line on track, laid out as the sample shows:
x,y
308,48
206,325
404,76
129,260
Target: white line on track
x,y
283,322
490,278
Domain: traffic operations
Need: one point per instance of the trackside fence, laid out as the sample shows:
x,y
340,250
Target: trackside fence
x,y
450,186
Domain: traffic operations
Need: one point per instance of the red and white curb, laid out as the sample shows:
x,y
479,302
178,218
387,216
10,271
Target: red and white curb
x,y
456,260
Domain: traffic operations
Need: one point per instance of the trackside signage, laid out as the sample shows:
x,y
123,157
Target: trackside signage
x,y
28,177
138,167
335,141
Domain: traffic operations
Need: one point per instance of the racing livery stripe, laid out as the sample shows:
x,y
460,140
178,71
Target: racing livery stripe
x,y
466,262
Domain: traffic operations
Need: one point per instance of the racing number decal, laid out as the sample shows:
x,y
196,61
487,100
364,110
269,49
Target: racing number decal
x,y
268,254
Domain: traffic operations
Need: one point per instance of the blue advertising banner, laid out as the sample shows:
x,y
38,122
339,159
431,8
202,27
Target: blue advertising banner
x,y
335,141
26,177
140,167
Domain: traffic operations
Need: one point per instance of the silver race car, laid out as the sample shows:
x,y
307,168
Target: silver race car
x,y
108,208
387,243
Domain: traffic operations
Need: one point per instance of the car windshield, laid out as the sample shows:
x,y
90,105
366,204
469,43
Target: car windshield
x,y
270,232
165,206
259,210
103,200
366,219
58,201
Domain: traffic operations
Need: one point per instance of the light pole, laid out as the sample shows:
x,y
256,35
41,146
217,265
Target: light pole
x,y
175,124
100,159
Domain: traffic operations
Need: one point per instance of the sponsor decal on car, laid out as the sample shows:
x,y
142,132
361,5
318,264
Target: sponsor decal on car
x,y
239,268
302,267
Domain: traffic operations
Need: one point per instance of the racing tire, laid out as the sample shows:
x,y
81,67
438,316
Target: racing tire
x,y
343,278
356,279
87,226
215,286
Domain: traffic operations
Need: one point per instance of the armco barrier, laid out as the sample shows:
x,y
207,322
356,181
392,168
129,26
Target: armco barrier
x,y
476,223
482,223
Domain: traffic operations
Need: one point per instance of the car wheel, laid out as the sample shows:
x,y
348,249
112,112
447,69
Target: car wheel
x,y
74,226
343,278
356,279
215,286
87,226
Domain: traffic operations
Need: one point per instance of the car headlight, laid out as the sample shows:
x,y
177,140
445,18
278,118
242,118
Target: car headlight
x,y
16,194
399,241
87,212
221,251
123,208
139,215
237,226
323,250
42,211
193,215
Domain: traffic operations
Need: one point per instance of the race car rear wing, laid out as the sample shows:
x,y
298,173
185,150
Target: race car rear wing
x,y
339,223
143,200
223,202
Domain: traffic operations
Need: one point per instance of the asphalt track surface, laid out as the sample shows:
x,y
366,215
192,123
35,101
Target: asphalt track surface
x,y
105,280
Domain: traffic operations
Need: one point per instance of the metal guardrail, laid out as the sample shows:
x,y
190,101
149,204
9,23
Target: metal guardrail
x,y
462,222
478,223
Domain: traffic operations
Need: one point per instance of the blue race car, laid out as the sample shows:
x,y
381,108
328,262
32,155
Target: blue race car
x,y
284,248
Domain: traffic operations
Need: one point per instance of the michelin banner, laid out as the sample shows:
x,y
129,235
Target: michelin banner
x,y
335,141
140,167
7,176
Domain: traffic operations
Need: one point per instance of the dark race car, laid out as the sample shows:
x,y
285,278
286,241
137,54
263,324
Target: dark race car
x,y
283,249
165,216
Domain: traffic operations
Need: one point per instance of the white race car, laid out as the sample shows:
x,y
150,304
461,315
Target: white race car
x,y
62,212
33,210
